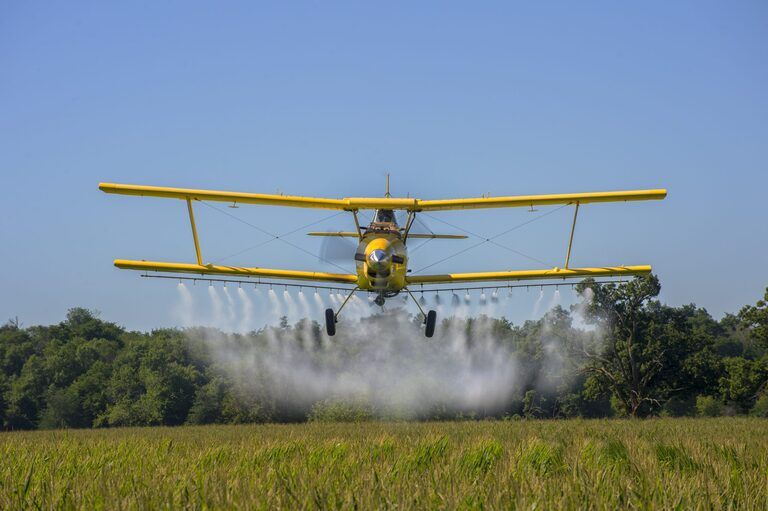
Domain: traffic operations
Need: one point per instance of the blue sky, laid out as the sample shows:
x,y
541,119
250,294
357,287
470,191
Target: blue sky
x,y
325,98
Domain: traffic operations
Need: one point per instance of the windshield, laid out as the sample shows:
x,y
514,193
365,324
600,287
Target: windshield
x,y
385,215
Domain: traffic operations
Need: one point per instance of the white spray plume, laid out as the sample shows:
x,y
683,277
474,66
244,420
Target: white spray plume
x,y
184,310
378,355
555,300
217,307
246,312
230,309
537,305
276,309
580,308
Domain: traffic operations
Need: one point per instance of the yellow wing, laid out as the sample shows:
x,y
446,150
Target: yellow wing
x,y
258,198
355,203
554,273
515,201
213,269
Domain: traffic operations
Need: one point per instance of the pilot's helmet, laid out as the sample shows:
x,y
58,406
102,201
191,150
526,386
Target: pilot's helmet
x,y
385,215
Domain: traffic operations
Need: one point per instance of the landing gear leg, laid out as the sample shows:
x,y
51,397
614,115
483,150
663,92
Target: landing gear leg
x,y
430,318
331,318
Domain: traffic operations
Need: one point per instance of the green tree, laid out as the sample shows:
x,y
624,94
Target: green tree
x,y
648,355
743,382
761,407
755,319
153,382
26,397
16,346
91,391
4,387
209,399
708,406
627,359
62,410
531,408
85,323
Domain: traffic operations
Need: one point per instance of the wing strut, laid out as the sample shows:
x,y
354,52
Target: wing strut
x,y
357,225
408,225
570,241
194,232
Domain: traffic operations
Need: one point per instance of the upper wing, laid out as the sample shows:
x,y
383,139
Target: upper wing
x,y
259,198
407,204
213,269
540,200
222,196
554,273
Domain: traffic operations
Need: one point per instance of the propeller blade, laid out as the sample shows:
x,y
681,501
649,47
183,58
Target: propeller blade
x,y
337,249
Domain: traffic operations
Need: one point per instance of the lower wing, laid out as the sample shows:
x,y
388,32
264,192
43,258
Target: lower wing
x,y
554,273
213,269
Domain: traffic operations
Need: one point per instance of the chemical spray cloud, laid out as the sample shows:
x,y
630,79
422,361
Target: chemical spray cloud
x,y
378,356
553,326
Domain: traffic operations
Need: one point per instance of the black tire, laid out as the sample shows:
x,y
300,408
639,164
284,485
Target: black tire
x,y
429,331
330,322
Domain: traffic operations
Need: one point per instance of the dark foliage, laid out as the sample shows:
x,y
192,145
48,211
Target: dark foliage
x,y
642,358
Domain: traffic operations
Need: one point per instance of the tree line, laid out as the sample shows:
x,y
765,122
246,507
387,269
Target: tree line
x,y
636,357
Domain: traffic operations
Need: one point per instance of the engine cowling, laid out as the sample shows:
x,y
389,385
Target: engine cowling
x,y
383,263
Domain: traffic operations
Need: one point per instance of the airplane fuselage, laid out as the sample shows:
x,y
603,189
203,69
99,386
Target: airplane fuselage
x,y
382,256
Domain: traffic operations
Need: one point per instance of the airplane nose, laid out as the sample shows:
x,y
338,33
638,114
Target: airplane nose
x,y
378,257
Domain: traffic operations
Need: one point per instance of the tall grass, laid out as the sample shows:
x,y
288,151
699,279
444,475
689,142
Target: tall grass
x,y
606,464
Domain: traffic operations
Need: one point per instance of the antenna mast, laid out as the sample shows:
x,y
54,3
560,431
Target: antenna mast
x,y
387,193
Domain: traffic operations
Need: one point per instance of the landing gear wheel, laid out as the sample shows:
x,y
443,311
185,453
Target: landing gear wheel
x,y
429,331
330,322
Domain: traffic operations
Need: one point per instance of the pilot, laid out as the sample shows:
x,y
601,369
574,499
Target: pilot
x,y
385,216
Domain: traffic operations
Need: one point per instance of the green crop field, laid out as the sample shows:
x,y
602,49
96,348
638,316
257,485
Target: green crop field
x,y
568,464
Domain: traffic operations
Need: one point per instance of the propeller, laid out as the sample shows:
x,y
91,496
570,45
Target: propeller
x,y
343,249
338,249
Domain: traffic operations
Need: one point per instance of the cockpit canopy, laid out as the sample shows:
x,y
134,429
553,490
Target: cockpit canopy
x,y
385,216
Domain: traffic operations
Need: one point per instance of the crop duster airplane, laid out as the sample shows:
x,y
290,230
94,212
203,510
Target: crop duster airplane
x,y
381,258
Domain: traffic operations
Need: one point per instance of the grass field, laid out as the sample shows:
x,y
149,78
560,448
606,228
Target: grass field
x,y
606,464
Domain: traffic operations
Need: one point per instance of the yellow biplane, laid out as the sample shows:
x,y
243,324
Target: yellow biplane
x,y
381,258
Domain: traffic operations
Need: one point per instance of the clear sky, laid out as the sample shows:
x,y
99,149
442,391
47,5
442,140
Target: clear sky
x,y
324,98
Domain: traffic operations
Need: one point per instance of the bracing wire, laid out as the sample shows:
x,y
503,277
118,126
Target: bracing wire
x,y
258,245
414,249
491,239
483,239
423,225
274,236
